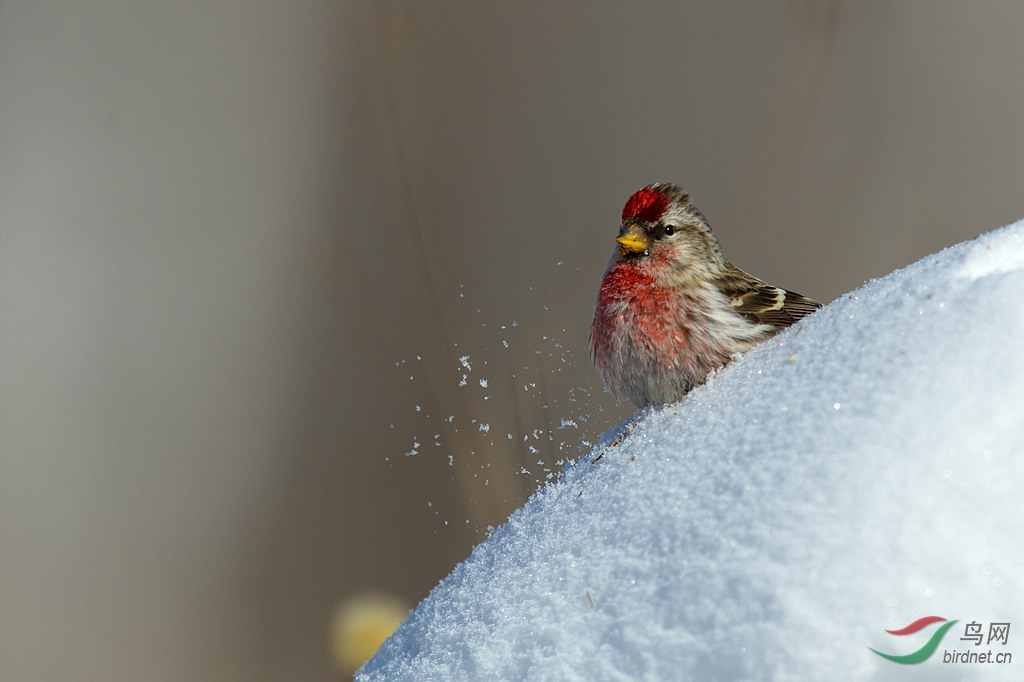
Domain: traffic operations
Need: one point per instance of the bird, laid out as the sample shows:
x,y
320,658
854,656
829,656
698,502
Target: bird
x,y
671,308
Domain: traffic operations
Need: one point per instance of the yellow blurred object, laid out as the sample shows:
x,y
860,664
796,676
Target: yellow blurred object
x,y
361,624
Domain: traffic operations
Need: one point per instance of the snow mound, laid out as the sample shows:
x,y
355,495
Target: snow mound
x,y
856,473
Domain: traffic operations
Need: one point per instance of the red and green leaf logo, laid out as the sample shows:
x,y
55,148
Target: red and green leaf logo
x,y
929,647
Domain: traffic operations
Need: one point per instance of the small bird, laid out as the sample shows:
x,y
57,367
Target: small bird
x,y
672,308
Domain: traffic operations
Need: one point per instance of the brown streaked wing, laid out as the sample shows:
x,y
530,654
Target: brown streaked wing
x,y
760,302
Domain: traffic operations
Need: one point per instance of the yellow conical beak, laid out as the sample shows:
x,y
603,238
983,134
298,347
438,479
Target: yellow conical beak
x,y
633,240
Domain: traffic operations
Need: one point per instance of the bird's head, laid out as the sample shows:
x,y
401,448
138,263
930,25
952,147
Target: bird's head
x,y
659,222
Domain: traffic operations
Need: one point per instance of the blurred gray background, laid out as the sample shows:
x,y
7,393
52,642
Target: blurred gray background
x,y
243,247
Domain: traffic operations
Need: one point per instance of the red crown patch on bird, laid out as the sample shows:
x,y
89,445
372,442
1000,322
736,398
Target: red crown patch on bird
x,y
647,204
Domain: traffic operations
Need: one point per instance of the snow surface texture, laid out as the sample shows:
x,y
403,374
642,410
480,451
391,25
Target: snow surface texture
x,y
857,472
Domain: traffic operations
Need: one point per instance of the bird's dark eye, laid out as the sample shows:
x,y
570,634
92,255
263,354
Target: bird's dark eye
x,y
669,230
